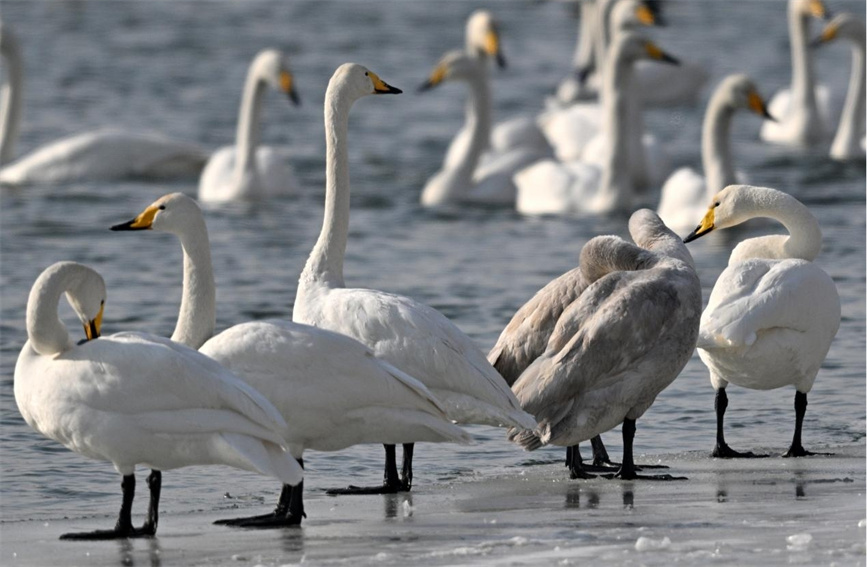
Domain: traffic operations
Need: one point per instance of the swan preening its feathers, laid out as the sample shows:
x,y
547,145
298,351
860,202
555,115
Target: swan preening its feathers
x,y
329,388
619,337
247,170
773,313
136,399
99,155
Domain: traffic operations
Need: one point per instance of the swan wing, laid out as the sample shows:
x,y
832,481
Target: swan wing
x,y
683,200
519,132
549,187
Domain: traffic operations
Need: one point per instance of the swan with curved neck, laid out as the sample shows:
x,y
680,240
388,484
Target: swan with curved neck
x,y
577,86
414,337
772,313
607,184
685,194
329,388
801,121
248,170
136,399
643,297
849,140
98,155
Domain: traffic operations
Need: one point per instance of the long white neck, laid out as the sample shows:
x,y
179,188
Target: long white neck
x,y
716,156
47,333
584,47
325,264
616,189
602,36
247,135
10,99
805,237
197,317
850,132
803,79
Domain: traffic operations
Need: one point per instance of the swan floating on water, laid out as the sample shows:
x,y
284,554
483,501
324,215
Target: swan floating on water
x,y
609,181
330,389
616,346
849,140
803,111
410,335
772,313
248,170
98,155
686,193
136,399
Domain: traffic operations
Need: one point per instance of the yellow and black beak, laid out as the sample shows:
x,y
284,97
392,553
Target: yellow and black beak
x,y
381,87
818,10
758,106
703,228
437,77
287,85
829,33
142,222
646,16
493,47
658,54
92,328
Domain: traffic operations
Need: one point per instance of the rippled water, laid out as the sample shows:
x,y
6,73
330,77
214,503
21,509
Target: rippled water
x,y
177,68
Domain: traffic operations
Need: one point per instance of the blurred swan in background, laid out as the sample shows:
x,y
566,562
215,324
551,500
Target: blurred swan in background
x,y
604,182
98,155
772,313
134,398
802,111
248,170
581,84
849,140
330,389
619,343
686,193
414,337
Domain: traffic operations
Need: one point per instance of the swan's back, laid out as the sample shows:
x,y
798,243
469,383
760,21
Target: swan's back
x,y
273,176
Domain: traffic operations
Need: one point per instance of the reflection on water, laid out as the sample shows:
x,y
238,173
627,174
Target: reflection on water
x,y
398,505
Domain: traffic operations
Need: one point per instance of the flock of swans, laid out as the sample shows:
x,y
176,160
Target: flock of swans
x,y
590,351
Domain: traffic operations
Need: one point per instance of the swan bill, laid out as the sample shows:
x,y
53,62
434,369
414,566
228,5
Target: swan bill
x,y
92,328
757,105
658,54
703,228
142,222
645,15
380,86
287,85
436,77
818,10
492,47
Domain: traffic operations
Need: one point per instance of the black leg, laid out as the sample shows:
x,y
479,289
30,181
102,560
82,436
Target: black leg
x,y
628,470
722,450
123,528
155,482
391,482
576,465
600,453
797,450
406,470
289,510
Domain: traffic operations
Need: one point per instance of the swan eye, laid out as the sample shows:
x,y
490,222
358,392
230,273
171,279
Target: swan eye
x,y
366,74
162,207
716,204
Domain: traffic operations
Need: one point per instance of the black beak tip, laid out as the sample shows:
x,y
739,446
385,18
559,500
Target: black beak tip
x,y
767,116
394,90
425,86
670,60
583,73
691,236
501,60
293,96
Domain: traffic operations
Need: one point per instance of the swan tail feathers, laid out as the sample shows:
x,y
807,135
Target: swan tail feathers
x,y
260,456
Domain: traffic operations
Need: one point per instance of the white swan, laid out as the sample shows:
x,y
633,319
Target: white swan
x,y
803,111
579,85
622,341
414,337
99,155
247,170
849,140
330,389
133,398
772,313
610,181
686,193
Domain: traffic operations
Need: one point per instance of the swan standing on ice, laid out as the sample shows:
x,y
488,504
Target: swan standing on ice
x,y
609,183
248,171
618,345
772,313
686,193
410,335
849,141
330,389
133,398
99,155
802,111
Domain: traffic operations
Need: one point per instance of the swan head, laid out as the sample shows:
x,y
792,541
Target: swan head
x,y
483,36
85,291
170,213
272,66
843,25
356,81
814,8
732,206
454,66
632,14
631,46
740,92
